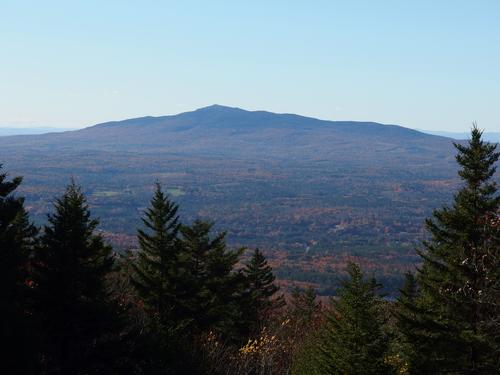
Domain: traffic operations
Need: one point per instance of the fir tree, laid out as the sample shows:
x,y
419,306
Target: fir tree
x,y
210,285
460,274
76,318
305,315
12,259
405,314
17,236
261,290
157,265
303,305
353,341
155,278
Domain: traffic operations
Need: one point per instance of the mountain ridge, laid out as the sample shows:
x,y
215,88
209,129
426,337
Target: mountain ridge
x,y
219,110
286,183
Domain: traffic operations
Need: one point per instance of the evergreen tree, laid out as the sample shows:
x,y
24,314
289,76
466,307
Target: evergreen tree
x,y
353,341
164,345
211,286
260,290
459,278
12,260
305,315
17,236
303,305
158,264
405,316
76,318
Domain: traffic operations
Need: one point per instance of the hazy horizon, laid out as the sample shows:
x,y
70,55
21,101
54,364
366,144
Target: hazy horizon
x,y
41,129
421,65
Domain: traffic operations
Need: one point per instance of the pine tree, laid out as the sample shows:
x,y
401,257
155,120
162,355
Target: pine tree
x,y
210,284
12,259
353,341
76,318
303,305
157,266
155,278
17,236
306,319
261,290
459,278
405,314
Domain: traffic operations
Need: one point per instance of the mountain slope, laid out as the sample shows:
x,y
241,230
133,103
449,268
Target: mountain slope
x,y
301,188
224,131
5,131
487,136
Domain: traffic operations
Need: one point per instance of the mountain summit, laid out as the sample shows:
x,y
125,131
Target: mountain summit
x,y
220,131
236,133
277,181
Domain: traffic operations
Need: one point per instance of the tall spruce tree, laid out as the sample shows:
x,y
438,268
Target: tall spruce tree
x,y
165,347
76,318
11,258
210,284
17,236
303,305
261,298
158,262
306,318
459,278
353,340
405,316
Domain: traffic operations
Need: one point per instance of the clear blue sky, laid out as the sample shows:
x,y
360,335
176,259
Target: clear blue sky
x,y
423,64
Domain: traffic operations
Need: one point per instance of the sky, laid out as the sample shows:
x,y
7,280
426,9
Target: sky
x,y
422,64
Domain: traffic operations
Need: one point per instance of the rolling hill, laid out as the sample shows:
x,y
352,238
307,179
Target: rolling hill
x,y
306,190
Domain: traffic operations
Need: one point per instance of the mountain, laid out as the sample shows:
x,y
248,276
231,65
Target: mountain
x,y
225,131
487,136
310,192
23,131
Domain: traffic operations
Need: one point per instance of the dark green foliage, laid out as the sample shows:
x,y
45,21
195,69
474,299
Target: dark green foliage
x,y
156,273
260,297
353,340
211,286
306,319
17,236
452,326
12,258
77,321
405,314
187,286
158,261
303,305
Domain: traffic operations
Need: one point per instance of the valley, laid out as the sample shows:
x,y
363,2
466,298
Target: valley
x,y
306,191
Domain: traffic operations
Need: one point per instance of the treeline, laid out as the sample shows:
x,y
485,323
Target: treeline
x,y
185,303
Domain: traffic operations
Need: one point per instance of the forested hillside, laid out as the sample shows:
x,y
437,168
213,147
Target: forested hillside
x,y
184,302
306,191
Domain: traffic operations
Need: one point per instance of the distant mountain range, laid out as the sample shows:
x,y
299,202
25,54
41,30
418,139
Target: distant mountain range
x,y
488,136
225,131
298,187
5,131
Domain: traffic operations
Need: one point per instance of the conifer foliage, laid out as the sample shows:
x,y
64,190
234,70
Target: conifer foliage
x,y
17,236
353,341
303,305
12,259
71,302
260,290
157,264
210,283
459,279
